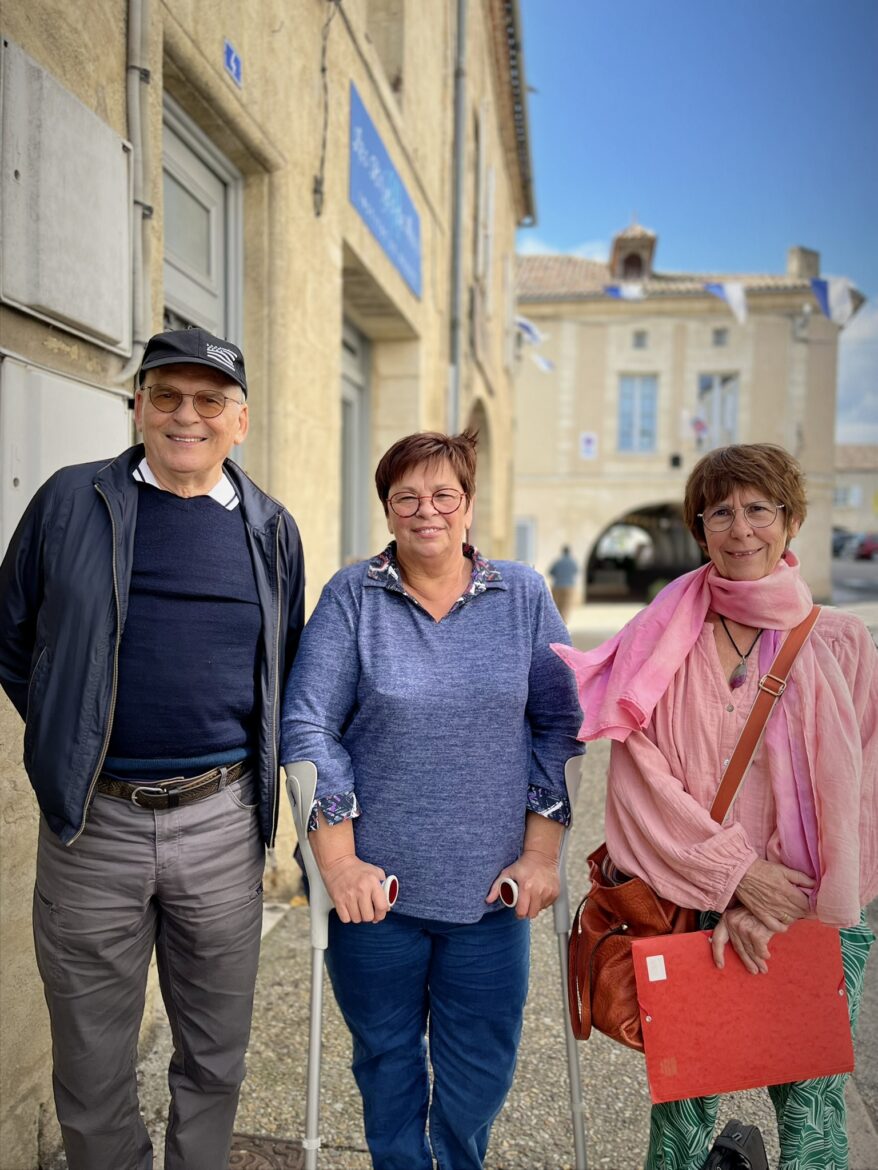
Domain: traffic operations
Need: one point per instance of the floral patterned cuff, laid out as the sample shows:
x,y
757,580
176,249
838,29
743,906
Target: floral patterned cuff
x,y
548,804
340,806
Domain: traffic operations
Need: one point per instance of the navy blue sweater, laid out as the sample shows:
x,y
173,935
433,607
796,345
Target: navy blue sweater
x,y
189,652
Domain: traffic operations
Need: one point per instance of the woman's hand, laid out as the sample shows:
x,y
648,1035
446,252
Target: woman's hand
x,y
354,885
536,870
774,894
356,890
748,936
539,882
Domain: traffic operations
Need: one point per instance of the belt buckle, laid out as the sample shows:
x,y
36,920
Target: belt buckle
x,y
150,789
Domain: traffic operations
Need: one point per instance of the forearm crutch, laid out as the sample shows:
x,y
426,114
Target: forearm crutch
x,y
561,912
302,786
561,915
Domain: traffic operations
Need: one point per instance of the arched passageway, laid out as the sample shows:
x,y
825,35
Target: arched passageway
x,y
638,553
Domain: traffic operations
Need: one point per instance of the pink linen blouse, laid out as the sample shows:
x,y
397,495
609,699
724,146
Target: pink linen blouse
x,y
662,780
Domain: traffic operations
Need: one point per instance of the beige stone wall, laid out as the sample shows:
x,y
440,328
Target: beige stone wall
x,y
861,517
303,274
787,396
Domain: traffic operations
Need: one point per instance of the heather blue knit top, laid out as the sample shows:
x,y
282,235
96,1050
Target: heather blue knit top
x,y
189,651
436,736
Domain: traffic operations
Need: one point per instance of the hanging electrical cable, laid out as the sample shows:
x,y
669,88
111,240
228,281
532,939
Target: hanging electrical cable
x,y
317,189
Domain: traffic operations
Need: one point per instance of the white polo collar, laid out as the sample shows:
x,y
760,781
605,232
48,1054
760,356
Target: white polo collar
x,y
223,492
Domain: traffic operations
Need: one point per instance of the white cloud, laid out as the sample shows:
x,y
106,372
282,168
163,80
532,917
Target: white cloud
x,y
529,244
857,412
592,250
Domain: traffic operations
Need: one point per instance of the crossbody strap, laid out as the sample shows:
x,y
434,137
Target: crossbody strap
x,y
771,686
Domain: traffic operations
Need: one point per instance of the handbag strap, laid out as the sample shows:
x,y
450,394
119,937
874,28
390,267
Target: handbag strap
x,y
771,686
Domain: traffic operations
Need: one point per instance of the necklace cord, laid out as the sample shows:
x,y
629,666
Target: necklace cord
x,y
741,655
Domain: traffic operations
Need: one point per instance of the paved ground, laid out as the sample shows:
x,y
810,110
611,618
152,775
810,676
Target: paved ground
x,y
534,1130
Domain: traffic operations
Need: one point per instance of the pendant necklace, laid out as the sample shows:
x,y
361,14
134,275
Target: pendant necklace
x,y
739,675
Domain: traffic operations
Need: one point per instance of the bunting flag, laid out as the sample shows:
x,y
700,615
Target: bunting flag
x,y
542,363
833,295
631,290
529,331
733,293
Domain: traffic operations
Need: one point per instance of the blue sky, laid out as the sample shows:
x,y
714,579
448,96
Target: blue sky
x,y
732,128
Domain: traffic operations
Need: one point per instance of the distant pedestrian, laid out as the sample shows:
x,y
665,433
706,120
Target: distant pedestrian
x,y
564,572
673,691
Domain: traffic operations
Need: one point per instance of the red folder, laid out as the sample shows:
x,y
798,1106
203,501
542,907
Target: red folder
x,y
716,1031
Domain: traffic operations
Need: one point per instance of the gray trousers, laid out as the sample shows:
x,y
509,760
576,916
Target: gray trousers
x,y
187,881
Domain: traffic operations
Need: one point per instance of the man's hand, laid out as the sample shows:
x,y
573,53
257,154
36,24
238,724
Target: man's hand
x,y
748,936
774,894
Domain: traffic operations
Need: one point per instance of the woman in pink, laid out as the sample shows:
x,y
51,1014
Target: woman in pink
x,y
673,691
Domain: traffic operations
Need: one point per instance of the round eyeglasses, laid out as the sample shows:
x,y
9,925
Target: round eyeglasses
x,y
759,514
445,501
207,403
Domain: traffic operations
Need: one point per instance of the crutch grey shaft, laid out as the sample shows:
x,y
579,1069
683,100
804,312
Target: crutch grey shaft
x,y
301,786
561,915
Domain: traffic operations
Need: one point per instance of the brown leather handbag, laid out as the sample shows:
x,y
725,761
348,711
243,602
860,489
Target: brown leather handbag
x,y
618,909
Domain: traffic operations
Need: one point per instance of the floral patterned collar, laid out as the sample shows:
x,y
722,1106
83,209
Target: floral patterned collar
x,y
384,570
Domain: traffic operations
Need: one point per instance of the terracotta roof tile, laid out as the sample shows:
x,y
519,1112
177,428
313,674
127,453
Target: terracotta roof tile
x,y
560,277
856,457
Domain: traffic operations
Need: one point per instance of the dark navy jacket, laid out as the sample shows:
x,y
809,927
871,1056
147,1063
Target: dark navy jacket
x,y
63,600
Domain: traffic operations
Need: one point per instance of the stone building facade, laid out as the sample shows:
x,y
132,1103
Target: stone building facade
x,y
856,487
633,374
334,185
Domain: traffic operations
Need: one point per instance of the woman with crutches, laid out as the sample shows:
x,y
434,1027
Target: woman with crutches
x,y
440,723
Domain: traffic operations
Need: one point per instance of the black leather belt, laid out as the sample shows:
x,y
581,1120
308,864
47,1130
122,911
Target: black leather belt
x,y
175,791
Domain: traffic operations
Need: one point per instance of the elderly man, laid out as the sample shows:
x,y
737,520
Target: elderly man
x,y
150,608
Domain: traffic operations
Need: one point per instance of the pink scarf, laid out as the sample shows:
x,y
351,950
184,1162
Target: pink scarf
x,y
813,730
621,681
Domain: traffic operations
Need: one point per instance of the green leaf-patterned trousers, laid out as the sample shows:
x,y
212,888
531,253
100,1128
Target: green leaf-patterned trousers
x,y
810,1114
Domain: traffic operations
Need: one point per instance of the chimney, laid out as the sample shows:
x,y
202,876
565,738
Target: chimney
x,y
803,263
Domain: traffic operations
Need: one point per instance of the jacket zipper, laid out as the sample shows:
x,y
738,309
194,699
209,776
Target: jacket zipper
x,y
106,743
33,675
276,697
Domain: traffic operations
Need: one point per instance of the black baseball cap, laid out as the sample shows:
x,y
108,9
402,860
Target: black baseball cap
x,y
195,346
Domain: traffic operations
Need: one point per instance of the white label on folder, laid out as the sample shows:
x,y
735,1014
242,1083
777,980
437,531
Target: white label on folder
x,y
655,968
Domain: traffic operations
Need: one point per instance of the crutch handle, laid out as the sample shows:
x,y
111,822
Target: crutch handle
x,y
561,905
509,892
390,885
301,787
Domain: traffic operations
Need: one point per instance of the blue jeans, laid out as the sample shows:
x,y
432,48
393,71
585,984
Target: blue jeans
x,y
470,982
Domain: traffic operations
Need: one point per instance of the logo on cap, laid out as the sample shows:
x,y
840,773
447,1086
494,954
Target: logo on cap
x,y
228,357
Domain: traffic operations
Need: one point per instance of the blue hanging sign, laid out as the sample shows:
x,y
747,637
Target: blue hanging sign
x,y
379,195
233,63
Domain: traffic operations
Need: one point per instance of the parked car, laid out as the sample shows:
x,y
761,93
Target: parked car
x,y
867,547
840,538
